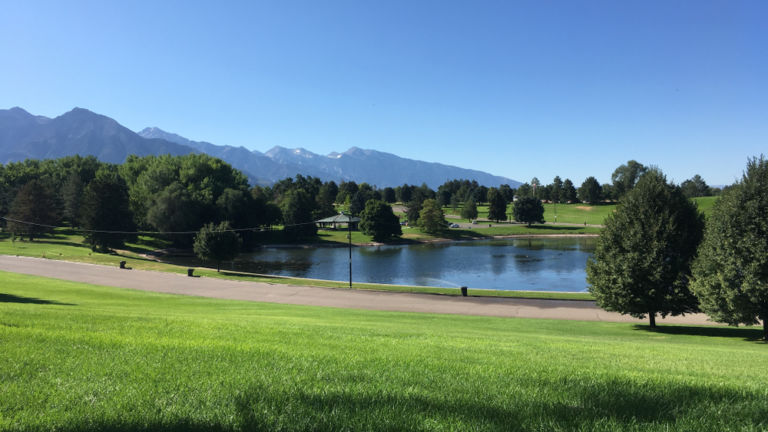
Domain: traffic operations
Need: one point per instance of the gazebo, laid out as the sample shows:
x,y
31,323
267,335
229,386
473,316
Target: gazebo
x,y
349,222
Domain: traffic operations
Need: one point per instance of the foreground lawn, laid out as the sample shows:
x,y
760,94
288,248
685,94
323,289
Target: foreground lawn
x,y
78,357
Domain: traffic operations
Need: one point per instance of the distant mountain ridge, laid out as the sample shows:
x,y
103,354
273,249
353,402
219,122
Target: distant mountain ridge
x,y
23,135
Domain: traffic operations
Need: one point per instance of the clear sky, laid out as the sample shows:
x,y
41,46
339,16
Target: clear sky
x,y
520,89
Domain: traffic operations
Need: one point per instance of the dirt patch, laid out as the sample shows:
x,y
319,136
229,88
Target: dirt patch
x,y
585,208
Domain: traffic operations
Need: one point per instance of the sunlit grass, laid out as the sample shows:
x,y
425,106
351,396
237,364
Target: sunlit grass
x,y
78,357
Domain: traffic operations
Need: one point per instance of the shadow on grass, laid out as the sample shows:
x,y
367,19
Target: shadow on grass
x,y
748,334
10,298
573,404
555,228
556,404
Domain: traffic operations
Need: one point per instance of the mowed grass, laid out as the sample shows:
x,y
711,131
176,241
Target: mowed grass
x,y
578,213
78,357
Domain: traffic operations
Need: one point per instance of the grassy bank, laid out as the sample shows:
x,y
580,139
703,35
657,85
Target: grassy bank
x,y
69,247
79,357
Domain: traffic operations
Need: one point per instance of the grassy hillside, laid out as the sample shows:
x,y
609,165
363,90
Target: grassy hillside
x,y
79,357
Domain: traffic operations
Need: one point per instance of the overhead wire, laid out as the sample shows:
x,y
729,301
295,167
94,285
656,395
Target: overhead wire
x,y
83,230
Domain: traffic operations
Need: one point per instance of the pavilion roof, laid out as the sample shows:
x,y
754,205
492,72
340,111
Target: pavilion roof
x,y
339,218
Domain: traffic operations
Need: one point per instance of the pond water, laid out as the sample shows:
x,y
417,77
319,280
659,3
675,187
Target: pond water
x,y
536,264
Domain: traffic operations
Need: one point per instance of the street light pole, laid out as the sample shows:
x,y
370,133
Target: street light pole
x,y
349,234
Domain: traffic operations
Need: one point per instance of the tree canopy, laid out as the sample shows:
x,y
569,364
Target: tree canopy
x,y
642,262
528,210
217,243
731,271
626,176
33,211
431,217
590,191
105,207
497,205
379,221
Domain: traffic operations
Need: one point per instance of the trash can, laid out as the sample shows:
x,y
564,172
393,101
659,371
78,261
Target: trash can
x,y
190,272
122,264
464,291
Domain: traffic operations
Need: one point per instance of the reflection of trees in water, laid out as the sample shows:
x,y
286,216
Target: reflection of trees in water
x,y
379,264
291,267
380,251
498,264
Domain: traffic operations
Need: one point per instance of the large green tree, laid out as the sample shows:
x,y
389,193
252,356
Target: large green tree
x,y
626,176
379,221
298,207
174,210
431,217
105,211
695,187
590,191
497,205
528,210
217,243
33,211
731,271
642,262
569,192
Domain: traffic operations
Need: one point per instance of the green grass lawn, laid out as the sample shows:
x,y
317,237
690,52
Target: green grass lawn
x,y
79,357
705,204
574,213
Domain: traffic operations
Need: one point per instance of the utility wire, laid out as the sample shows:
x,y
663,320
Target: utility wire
x,y
252,229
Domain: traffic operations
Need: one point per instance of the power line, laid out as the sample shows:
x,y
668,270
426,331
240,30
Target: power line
x,y
252,229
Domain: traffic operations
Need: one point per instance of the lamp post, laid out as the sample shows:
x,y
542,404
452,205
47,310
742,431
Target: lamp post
x,y
349,234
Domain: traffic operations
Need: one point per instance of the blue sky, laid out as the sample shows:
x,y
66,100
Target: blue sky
x,y
520,89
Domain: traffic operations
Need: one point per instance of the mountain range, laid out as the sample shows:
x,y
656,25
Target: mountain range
x,y
80,131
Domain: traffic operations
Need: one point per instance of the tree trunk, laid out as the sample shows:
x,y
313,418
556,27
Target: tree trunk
x,y
765,329
652,317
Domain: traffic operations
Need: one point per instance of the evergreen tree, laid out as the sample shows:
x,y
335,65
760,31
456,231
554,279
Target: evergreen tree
x,y
497,205
378,220
105,207
528,210
556,190
72,194
33,211
569,192
590,191
217,243
641,265
469,211
731,271
413,212
431,217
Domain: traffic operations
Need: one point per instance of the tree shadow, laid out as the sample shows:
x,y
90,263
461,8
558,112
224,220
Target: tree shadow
x,y
10,298
556,404
556,227
748,334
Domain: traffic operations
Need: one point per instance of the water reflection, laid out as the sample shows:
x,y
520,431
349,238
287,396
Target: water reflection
x,y
515,264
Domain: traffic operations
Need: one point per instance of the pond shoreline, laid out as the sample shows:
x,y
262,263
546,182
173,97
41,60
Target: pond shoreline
x,y
430,241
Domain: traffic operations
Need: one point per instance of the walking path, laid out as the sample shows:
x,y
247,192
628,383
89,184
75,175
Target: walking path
x,y
304,295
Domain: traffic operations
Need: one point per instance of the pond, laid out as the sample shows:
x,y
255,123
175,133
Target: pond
x,y
536,264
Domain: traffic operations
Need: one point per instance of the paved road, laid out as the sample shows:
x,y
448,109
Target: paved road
x,y
303,295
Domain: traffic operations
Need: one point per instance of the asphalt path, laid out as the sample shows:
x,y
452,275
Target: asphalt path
x,y
172,283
